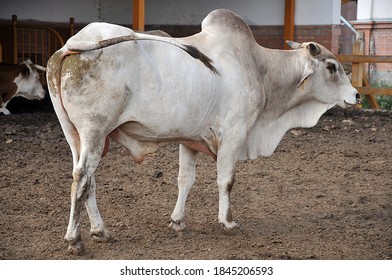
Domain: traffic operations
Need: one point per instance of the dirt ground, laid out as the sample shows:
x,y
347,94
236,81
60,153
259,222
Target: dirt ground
x,y
326,193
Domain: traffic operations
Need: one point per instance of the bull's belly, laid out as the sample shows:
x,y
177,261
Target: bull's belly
x,y
141,140
160,132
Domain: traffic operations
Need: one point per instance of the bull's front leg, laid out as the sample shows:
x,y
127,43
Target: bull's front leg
x,y
225,181
227,159
186,179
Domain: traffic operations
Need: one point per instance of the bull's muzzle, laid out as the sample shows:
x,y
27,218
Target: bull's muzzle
x,y
358,101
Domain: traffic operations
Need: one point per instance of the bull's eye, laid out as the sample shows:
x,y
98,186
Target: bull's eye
x,y
331,67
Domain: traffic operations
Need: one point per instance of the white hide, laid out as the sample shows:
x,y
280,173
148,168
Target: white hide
x,y
146,92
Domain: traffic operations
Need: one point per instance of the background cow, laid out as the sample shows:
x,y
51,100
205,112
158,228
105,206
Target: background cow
x,y
19,80
216,92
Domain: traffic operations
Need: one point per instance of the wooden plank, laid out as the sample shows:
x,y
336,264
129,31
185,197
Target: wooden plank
x,y
374,91
138,15
364,58
288,22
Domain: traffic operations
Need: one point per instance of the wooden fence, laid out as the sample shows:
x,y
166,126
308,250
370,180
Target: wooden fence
x,y
34,42
360,79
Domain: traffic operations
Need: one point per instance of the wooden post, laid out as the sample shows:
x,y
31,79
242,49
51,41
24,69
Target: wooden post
x,y
359,76
358,49
289,10
14,39
370,98
71,26
138,15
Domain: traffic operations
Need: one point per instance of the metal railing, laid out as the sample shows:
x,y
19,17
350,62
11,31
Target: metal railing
x,y
34,42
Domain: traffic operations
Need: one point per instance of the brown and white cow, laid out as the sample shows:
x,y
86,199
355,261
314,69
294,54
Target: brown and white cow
x,y
19,80
217,92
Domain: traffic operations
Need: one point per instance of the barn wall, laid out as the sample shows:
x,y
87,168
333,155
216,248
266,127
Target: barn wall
x,y
315,20
116,11
171,12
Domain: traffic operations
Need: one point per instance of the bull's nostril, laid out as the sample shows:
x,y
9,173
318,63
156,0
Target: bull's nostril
x,y
358,97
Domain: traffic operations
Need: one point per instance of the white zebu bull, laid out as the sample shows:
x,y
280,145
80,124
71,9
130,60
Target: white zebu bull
x,y
19,80
225,96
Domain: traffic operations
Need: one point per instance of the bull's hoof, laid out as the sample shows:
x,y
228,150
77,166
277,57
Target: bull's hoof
x,y
178,226
231,228
102,237
76,249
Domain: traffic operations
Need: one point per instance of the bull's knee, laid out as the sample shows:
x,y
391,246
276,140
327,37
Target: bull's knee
x,y
80,184
78,174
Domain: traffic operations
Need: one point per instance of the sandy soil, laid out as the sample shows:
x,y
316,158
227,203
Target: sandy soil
x,y
326,193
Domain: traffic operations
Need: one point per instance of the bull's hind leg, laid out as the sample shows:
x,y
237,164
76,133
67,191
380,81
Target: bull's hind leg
x,y
98,229
83,180
186,178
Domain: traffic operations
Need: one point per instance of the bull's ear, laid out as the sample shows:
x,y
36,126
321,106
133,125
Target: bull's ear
x,y
293,45
313,49
307,72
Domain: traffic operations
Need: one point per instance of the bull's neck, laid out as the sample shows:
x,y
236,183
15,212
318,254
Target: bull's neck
x,y
280,72
287,105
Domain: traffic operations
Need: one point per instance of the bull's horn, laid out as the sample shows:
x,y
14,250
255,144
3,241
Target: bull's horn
x,y
39,67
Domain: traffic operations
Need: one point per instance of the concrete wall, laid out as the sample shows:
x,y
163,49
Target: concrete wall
x,y
380,10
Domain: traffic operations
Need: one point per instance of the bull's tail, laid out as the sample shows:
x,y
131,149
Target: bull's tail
x,y
80,46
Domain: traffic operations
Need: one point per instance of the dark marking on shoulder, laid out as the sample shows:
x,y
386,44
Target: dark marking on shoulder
x,y
197,54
